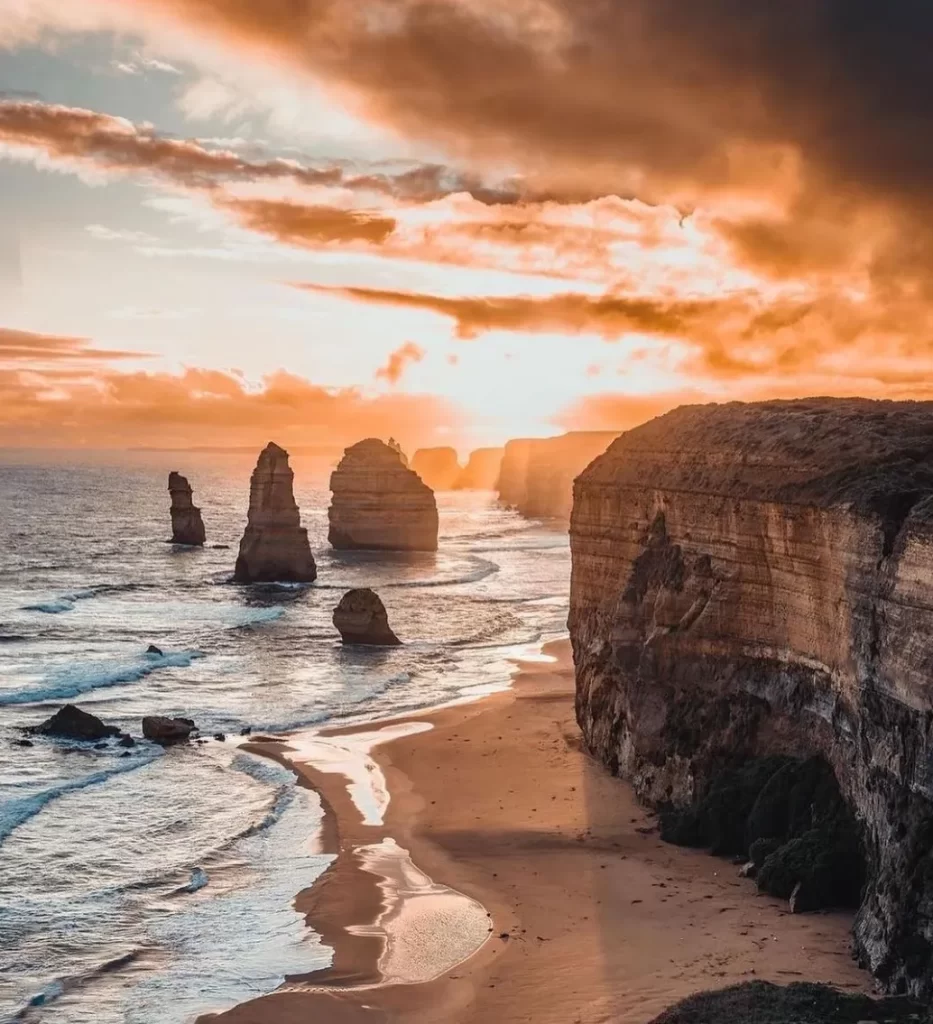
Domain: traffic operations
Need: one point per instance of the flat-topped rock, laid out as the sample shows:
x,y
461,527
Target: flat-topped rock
x,y
380,504
752,581
439,468
167,731
361,618
275,546
481,473
187,525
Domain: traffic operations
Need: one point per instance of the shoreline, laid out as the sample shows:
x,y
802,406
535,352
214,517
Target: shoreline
x,y
591,917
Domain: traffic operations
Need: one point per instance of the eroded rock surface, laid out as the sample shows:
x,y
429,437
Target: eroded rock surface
x,y
537,475
439,468
379,503
275,546
167,731
187,525
757,580
481,473
361,618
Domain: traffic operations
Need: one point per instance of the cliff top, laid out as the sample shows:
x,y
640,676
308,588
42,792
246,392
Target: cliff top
x,y
819,451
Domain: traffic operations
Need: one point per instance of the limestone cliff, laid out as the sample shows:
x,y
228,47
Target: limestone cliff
x,y
751,580
481,473
380,504
275,546
187,525
437,467
537,475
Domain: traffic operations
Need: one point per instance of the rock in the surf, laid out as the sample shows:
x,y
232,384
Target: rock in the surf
x,y
275,546
167,730
380,504
187,525
361,618
71,723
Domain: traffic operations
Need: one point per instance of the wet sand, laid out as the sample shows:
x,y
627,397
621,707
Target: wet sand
x,y
495,810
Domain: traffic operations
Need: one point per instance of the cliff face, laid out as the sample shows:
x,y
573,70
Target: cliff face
x,y
275,546
752,580
481,472
379,504
439,468
537,475
187,525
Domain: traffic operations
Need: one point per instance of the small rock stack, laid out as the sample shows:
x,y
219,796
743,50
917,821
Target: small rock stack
x,y
187,525
361,618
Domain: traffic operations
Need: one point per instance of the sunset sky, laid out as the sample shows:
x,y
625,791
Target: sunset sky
x,y
455,221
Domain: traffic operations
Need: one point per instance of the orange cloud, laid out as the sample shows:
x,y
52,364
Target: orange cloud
x,y
207,407
399,361
308,225
39,349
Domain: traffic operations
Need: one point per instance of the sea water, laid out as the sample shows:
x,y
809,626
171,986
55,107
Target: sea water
x,y
151,885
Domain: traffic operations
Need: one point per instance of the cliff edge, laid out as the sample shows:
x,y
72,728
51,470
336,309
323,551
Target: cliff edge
x,y
757,580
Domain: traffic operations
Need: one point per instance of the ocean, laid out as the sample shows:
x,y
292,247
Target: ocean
x,y
147,886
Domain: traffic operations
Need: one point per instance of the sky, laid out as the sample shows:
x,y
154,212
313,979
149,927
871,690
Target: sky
x,y
454,221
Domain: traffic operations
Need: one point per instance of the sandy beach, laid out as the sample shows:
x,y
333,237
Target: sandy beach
x,y
484,831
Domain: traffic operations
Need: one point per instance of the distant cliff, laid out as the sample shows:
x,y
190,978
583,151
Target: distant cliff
x,y
755,580
536,476
439,468
481,473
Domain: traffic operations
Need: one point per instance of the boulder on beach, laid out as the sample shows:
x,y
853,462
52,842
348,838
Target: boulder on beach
x,y
71,723
275,547
361,618
167,730
187,525
437,467
380,504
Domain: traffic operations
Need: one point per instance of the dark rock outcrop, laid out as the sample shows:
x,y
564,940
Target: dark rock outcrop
x,y
753,581
536,476
379,504
361,618
439,468
761,1002
481,473
167,730
275,547
187,525
70,722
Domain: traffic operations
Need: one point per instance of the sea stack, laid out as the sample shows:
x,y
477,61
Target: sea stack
x,y
379,504
275,545
437,467
751,613
361,618
481,472
187,525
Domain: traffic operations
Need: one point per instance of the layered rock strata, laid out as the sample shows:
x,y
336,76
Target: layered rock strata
x,y
756,580
439,468
187,525
536,476
379,504
275,545
481,473
361,618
